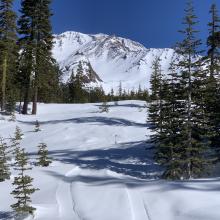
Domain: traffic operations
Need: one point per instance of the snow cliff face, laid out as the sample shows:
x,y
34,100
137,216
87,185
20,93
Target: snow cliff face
x,y
108,60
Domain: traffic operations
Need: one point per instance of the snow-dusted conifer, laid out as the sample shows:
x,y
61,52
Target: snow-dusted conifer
x,y
4,167
43,159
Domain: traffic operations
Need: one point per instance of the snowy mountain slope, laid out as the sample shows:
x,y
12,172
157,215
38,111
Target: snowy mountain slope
x,y
114,59
101,170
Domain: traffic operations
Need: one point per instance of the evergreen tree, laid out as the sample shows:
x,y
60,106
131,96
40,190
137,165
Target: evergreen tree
x,y
36,61
112,94
169,151
23,186
8,48
156,113
104,107
193,140
212,63
4,167
37,126
120,90
43,159
155,108
15,141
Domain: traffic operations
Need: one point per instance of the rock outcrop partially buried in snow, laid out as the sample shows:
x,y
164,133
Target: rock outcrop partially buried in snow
x,y
112,59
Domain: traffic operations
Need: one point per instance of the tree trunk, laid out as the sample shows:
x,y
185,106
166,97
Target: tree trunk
x,y
34,105
25,104
4,78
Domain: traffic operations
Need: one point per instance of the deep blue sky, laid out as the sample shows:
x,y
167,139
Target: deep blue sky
x,y
153,23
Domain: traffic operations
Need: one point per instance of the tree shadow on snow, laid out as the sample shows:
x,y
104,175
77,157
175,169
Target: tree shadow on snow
x,y
7,215
124,105
98,120
128,158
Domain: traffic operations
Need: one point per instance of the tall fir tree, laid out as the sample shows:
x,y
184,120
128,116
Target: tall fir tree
x,y
23,186
36,63
192,119
8,49
169,149
156,113
212,62
15,141
4,158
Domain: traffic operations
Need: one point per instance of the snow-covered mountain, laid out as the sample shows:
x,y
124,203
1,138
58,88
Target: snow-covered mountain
x,y
108,60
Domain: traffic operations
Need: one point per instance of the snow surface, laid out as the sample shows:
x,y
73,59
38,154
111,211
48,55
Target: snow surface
x,y
113,58
101,169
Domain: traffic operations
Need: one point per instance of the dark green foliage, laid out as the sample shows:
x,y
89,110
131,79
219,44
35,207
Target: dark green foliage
x,y
212,95
178,110
23,185
193,119
4,167
37,67
8,49
16,140
43,159
76,85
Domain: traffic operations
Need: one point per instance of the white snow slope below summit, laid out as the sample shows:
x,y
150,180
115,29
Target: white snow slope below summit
x,y
101,170
114,59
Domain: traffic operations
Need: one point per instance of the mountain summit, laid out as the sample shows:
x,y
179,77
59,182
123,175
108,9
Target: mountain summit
x,y
108,60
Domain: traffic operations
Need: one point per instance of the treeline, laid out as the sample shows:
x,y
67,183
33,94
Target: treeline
x,y
76,90
185,108
28,73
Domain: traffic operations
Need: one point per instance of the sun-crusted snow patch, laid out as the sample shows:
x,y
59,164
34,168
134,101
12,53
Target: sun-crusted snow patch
x,y
103,169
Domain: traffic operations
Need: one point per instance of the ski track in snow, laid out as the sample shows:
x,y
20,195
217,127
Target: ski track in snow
x,y
66,205
130,203
147,211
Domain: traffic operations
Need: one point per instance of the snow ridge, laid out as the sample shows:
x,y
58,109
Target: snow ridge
x,y
114,59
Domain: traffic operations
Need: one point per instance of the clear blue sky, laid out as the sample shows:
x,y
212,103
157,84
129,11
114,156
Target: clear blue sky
x,y
153,23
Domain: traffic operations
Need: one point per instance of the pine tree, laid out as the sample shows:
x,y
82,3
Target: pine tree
x,y
156,113
104,107
37,126
8,48
169,152
23,186
15,141
192,118
112,94
120,90
36,44
212,63
43,159
156,81
4,167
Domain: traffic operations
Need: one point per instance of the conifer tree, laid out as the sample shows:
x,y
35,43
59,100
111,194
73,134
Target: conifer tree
x,y
104,107
8,48
43,159
192,118
156,113
169,152
120,90
23,186
36,62
4,167
15,141
156,81
212,63
37,126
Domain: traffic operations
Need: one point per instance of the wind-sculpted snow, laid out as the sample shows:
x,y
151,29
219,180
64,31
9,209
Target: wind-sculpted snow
x,y
114,59
103,168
